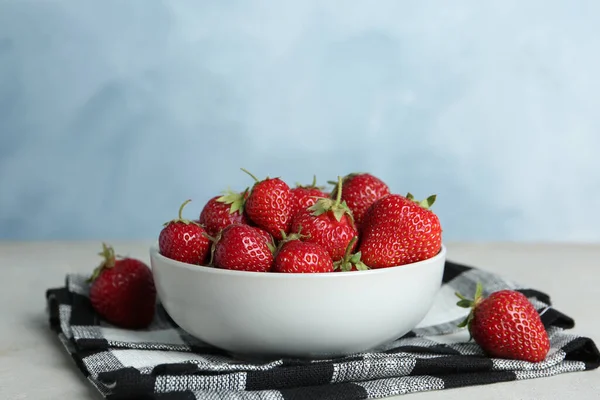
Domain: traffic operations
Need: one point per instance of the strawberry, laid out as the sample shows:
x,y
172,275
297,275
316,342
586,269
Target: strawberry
x,y
398,230
296,256
306,196
360,190
329,223
122,291
243,248
184,240
221,211
350,262
266,235
506,325
269,205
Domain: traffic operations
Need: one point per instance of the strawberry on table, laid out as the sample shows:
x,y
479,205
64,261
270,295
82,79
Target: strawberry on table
x,y
221,211
269,205
296,256
328,223
351,262
506,325
360,190
122,291
398,230
304,196
184,240
243,248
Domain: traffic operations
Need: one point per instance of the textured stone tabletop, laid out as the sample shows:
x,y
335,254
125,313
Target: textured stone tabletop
x,y
33,364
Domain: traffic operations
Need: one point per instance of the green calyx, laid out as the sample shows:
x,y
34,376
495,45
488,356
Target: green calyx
x,y
109,261
350,260
287,238
180,218
427,203
471,304
235,199
337,206
313,185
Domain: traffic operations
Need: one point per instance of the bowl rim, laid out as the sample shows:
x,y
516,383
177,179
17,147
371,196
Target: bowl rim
x,y
154,253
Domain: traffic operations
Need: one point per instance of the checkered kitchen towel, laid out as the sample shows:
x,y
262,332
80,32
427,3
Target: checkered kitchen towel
x,y
163,362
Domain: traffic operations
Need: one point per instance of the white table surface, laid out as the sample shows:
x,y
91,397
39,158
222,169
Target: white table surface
x,y
33,364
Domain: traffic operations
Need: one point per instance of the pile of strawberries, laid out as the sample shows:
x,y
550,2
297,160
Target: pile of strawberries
x,y
272,227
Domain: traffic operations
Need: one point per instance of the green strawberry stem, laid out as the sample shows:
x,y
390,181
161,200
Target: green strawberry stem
x,y
349,260
287,238
471,304
337,207
344,179
312,185
427,203
108,253
338,194
349,249
180,216
185,203
250,173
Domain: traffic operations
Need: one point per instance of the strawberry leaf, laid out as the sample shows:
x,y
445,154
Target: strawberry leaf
x,y
338,213
472,304
460,296
464,303
337,206
361,266
478,292
351,260
109,259
463,323
235,199
427,203
321,206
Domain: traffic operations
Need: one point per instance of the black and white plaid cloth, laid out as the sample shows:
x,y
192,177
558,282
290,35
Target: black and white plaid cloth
x,y
164,362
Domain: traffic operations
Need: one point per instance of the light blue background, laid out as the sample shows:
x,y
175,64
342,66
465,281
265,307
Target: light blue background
x,y
114,112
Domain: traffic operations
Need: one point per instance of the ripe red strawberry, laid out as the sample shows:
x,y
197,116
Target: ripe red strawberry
x,y
295,256
243,248
266,235
306,196
122,291
221,211
360,190
350,262
329,223
269,205
398,230
506,325
184,240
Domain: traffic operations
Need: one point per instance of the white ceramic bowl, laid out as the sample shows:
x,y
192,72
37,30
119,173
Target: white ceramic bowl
x,y
297,315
